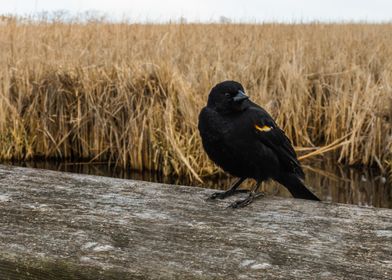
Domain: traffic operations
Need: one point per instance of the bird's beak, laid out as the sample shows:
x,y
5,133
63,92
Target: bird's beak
x,y
240,96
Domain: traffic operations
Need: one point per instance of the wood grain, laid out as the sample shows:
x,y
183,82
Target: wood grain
x,y
56,225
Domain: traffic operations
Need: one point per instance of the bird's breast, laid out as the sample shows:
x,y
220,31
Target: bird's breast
x,y
231,143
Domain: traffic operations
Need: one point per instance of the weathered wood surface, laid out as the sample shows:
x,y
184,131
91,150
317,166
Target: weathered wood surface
x,y
67,226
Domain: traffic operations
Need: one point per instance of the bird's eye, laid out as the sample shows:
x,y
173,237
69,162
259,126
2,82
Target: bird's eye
x,y
227,95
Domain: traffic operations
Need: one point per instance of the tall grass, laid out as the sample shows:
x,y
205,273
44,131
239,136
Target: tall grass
x,y
131,94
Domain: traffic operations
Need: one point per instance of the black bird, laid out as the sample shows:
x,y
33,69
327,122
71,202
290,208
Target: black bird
x,y
244,140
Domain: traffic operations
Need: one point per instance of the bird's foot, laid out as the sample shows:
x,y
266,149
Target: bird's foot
x,y
223,195
246,201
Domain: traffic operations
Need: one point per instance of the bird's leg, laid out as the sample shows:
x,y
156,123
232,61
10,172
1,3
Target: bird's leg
x,y
252,195
229,192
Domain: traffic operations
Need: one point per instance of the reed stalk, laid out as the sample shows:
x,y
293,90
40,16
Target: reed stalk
x,y
130,93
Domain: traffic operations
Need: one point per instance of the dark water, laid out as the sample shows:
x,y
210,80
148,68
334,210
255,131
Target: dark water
x,y
331,182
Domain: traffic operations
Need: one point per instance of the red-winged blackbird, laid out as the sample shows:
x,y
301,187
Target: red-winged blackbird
x,y
244,140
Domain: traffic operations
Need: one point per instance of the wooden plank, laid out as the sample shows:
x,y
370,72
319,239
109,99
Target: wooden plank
x,y
56,225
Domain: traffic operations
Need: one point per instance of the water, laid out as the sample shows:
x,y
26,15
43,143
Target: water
x,y
331,182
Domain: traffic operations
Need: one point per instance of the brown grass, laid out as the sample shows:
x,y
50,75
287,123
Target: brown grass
x,y
131,94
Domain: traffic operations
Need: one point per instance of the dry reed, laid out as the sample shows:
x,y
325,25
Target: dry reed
x,y
131,94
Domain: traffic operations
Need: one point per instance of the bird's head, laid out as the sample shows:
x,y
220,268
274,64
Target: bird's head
x,y
227,97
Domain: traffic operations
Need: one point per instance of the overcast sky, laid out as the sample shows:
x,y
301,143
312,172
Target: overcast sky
x,y
210,10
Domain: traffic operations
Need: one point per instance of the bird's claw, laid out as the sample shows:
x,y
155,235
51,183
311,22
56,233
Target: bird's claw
x,y
246,201
217,195
241,203
223,195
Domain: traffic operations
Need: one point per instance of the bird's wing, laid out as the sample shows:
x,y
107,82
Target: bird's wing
x,y
271,135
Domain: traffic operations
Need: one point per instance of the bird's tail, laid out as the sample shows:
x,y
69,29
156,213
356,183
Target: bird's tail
x,y
296,187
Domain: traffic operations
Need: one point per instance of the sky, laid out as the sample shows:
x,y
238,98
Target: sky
x,y
210,10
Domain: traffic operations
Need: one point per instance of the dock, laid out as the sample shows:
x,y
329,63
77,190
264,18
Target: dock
x,y
57,225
